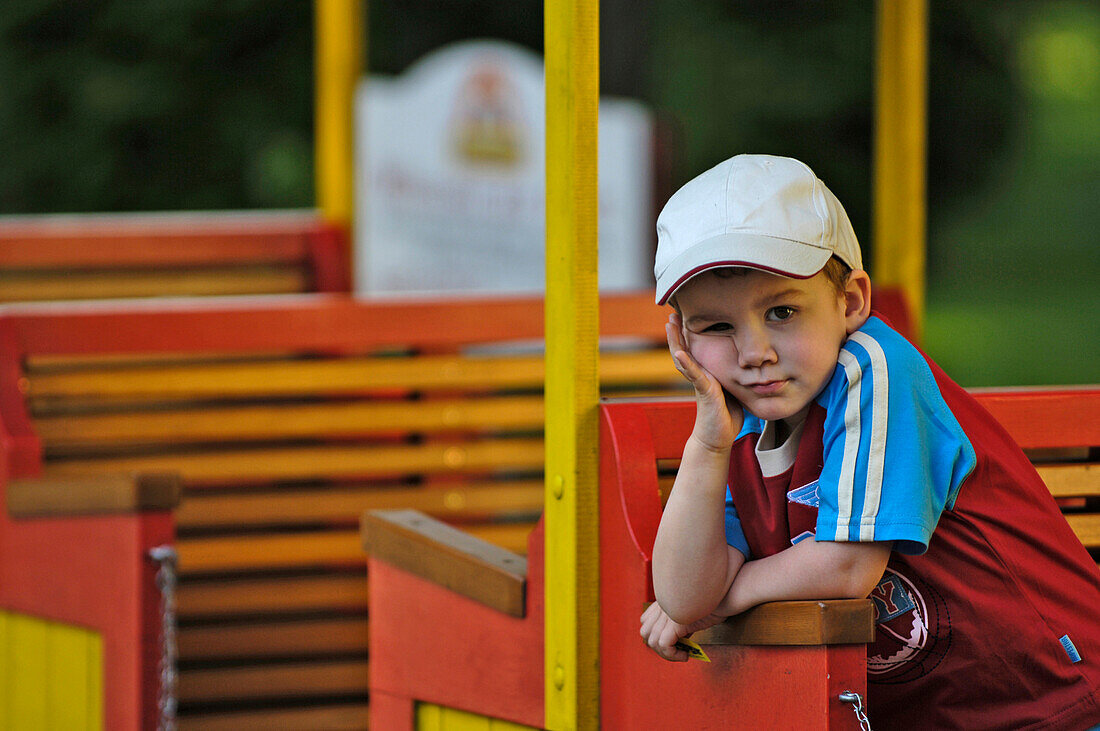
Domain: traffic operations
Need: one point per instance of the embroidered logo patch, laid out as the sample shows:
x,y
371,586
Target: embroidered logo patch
x,y
912,629
805,495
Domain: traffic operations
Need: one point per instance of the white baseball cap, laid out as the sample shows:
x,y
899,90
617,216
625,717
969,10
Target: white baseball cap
x,y
758,211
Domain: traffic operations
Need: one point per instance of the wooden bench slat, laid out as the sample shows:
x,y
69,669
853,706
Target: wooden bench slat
x,y
223,597
310,548
287,507
84,285
283,680
1087,528
63,434
39,497
322,461
1071,480
337,376
342,717
836,622
439,553
342,635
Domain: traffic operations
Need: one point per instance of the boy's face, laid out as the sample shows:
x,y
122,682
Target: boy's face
x,y
772,342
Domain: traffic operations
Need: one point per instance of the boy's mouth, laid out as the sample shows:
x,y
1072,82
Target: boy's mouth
x,y
766,388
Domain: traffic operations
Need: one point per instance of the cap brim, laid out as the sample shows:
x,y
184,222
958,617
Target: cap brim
x,y
778,256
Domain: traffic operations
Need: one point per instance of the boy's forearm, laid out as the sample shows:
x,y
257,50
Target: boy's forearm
x,y
691,565
808,570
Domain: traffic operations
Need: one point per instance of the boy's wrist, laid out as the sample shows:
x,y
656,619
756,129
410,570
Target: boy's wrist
x,y
717,448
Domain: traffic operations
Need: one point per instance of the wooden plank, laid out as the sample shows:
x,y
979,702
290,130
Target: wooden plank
x,y
449,557
71,654
156,240
37,497
342,717
900,148
345,591
835,622
289,507
78,285
319,323
1087,528
82,432
341,635
282,680
571,634
324,377
1036,417
27,671
310,549
321,461
1071,480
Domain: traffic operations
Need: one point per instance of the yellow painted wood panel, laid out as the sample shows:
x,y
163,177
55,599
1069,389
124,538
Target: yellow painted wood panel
x,y
1071,480
287,507
1087,528
900,142
27,674
314,548
45,286
51,675
571,635
287,421
311,378
338,66
332,461
430,717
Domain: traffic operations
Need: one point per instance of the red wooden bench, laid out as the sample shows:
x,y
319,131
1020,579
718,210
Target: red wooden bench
x,y
460,627
158,255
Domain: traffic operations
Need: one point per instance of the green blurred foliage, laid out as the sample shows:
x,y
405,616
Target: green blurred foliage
x,y
195,104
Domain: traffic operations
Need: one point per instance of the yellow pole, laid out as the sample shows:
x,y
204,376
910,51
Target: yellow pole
x,y
571,41
338,54
900,150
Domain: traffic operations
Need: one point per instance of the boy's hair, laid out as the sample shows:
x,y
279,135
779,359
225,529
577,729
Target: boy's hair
x,y
835,271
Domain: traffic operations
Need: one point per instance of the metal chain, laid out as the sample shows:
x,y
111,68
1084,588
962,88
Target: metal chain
x,y
167,559
850,696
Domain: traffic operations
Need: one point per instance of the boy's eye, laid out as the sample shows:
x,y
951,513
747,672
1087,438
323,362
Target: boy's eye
x,y
780,313
718,327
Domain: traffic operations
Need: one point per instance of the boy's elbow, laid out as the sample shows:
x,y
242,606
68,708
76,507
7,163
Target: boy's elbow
x,y
861,569
681,609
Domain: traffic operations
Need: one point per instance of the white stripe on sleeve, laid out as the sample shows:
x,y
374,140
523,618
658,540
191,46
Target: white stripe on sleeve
x,y
880,411
845,493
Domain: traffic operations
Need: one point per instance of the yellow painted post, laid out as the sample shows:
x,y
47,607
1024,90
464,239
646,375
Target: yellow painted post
x,y
51,675
571,42
900,150
338,64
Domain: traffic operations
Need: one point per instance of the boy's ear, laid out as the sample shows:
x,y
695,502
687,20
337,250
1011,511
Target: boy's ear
x,y
857,300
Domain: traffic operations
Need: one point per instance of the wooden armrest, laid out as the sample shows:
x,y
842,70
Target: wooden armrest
x,y
432,550
832,622
71,495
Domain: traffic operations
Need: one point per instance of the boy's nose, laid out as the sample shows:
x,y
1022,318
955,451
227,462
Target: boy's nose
x,y
754,349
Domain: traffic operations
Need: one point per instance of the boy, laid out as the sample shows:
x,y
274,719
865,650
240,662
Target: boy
x,y
846,465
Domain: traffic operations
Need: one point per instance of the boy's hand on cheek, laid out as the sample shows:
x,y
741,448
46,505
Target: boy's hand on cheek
x,y
718,415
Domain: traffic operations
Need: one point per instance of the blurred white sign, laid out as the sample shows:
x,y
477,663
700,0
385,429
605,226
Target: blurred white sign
x,y
451,178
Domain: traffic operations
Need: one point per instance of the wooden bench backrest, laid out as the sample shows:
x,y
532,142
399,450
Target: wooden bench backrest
x,y
287,421
106,257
